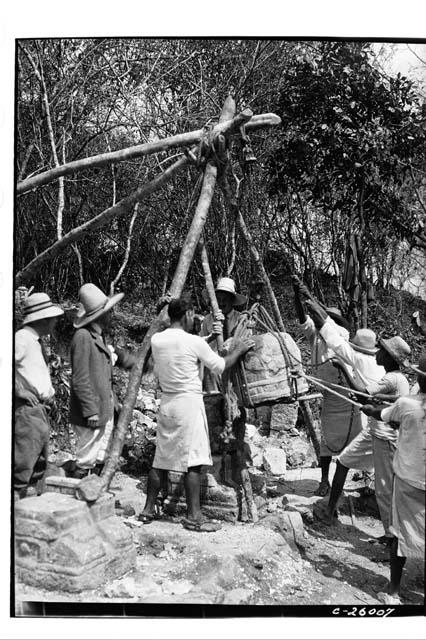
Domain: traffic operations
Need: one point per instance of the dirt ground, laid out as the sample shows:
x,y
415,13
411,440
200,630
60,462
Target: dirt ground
x,y
251,564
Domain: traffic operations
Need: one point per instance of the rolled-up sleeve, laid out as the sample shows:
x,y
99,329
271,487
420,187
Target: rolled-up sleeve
x,y
209,358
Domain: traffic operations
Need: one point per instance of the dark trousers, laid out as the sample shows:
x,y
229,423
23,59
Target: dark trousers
x,y
31,445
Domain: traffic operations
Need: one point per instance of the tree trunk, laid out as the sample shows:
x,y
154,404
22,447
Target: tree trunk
x,y
184,263
180,140
361,259
127,252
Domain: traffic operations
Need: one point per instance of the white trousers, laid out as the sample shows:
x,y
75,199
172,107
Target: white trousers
x,y
92,445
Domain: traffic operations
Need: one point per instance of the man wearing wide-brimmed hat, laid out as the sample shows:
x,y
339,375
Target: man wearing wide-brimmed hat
x,y
359,353
225,322
340,421
33,391
392,354
92,400
408,416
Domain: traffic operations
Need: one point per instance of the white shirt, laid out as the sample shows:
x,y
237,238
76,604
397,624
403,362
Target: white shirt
x,y
410,459
31,371
365,368
178,358
392,383
320,352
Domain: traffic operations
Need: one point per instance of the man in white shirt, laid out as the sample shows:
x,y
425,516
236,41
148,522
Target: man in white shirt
x,y
182,432
392,354
33,390
408,415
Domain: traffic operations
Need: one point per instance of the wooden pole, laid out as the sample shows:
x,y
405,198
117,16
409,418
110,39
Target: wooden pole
x,y
253,123
178,282
210,288
304,404
258,261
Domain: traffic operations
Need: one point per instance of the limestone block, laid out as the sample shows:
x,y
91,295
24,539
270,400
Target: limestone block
x,y
284,417
221,511
295,521
274,461
47,516
256,455
300,452
267,377
63,543
302,505
61,484
103,507
69,552
258,481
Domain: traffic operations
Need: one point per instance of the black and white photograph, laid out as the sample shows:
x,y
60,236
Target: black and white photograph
x,y
219,327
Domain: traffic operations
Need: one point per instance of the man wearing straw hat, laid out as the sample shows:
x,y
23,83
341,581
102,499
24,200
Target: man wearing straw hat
x,y
33,391
408,415
392,354
359,353
227,300
92,400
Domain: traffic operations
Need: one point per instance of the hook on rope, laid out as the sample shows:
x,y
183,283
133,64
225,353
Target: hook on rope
x,y
247,151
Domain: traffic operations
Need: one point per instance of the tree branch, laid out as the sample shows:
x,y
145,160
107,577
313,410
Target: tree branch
x,y
181,140
122,207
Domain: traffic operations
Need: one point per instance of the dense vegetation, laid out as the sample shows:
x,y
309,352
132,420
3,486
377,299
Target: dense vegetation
x,y
349,157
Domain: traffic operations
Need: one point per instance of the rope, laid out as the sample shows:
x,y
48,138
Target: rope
x,y
358,393
335,393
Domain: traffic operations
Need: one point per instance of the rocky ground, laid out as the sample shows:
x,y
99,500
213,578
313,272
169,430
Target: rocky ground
x,y
280,560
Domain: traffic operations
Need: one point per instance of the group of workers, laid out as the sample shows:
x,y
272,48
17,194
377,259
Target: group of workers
x,y
384,434
364,435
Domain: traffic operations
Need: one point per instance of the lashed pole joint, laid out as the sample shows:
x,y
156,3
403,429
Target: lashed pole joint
x,y
181,140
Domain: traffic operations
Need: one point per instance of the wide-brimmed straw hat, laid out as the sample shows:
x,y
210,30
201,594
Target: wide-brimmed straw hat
x,y
228,285
397,348
421,367
364,341
94,303
39,306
